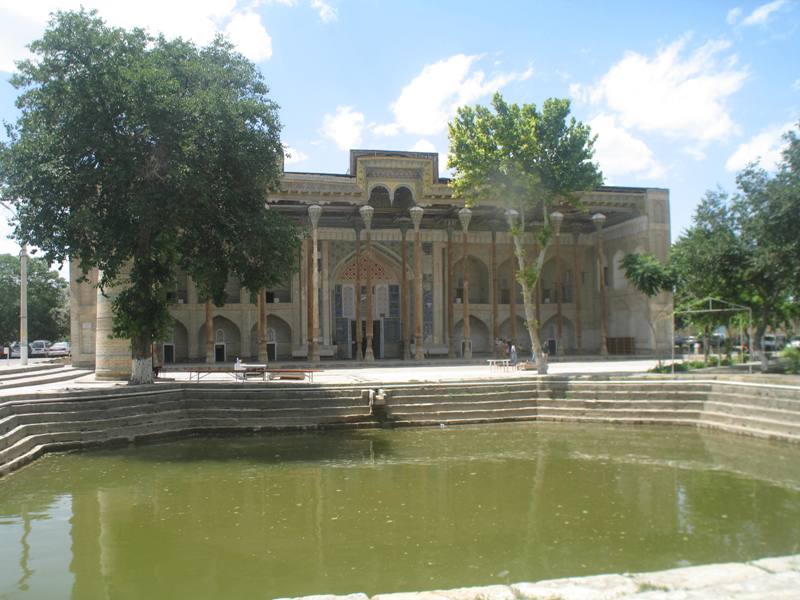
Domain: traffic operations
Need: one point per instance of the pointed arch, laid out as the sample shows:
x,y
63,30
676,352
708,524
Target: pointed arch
x,y
225,332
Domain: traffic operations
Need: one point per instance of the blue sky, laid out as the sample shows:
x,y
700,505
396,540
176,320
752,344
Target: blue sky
x,y
681,94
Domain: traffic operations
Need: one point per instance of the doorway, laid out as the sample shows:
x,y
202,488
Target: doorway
x,y
169,354
219,352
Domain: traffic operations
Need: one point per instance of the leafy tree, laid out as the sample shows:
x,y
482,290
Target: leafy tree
x,y
139,155
745,248
529,160
650,277
48,304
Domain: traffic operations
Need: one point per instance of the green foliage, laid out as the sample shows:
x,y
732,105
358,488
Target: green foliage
x,y
791,356
647,274
525,159
140,155
745,248
48,308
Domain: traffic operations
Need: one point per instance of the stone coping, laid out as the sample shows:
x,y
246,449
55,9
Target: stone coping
x,y
774,578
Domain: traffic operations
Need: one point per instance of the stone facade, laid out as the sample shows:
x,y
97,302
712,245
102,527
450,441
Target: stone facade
x,y
570,314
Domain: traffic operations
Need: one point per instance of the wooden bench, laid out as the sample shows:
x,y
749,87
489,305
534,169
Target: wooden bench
x,y
200,372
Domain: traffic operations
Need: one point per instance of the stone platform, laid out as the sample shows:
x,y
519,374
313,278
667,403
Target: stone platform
x,y
765,579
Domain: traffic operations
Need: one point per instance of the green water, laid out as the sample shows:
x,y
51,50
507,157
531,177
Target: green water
x,y
382,511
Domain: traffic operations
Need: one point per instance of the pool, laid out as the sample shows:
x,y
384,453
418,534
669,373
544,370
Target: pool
x,y
391,510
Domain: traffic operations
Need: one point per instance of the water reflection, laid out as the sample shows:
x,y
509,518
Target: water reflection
x,y
381,511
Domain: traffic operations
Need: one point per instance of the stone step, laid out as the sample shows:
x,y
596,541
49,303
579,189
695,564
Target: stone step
x,y
12,372
711,423
51,376
766,401
776,414
756,423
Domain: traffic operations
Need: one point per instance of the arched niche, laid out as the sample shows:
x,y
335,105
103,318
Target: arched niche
x,y
403,199
550,331
478,333
225,333
379,197
506,282
478,277
549,292
279,332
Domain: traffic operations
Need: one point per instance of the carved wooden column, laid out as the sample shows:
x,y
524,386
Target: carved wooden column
x,y
309,300
263,355
599,220
451,349
416,219
366,214
404,290
557,218
577,279
357,355
494,292
464,215
209,332
314,212
513,298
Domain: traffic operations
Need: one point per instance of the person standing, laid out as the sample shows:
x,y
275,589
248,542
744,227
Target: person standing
x,y
513,355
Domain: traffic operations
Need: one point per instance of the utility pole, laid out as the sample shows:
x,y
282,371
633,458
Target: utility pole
x,y
23,304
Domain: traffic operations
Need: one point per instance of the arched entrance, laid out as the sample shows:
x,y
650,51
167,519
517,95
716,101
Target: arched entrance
x,y
386,320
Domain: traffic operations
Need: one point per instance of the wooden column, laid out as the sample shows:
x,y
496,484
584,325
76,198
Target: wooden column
x,y
263,355
557,219
464,215
451,349
513,298
209,332
494,292
309,292
366,215
357,355
314,212
577,292
404,293
599,219
416,218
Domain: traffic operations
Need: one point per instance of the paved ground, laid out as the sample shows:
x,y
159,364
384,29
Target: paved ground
x,y
373,374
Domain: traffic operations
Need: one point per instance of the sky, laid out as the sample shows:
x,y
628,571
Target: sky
x,y
681,95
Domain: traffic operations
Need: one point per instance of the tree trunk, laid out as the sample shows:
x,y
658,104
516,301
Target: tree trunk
x,y
527,299
757,348
142,360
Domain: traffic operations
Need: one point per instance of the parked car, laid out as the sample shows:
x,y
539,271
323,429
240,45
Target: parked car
x,y
771,342
39,347
794,342
59,349
15,352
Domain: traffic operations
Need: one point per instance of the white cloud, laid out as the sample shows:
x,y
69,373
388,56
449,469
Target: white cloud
x,y
423,145
249,36
621,154
734,15
762,14
198,20
294,156
764,147
672,94
344,128
427,103
796,85
386,129
327,13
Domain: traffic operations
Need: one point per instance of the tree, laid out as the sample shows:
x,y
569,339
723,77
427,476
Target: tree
x,y
140,155
745,248
649,277
530,161
48,305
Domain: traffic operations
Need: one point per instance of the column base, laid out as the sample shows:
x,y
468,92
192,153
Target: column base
x,y
369,356
466,349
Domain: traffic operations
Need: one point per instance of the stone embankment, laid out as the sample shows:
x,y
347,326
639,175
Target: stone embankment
x,y
768,578
33,424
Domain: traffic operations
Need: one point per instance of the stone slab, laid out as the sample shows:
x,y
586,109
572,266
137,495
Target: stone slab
x,y
488,592
597,587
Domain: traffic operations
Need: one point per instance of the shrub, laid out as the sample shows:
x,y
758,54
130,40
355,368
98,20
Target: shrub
x,y
791,357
